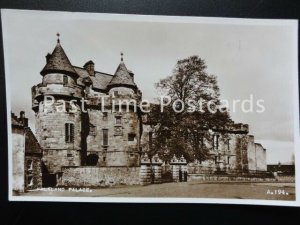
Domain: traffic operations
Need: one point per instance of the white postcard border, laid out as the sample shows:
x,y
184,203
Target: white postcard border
x,y
164,19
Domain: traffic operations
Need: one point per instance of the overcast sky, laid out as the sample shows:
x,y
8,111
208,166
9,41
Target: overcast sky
x,y
254,58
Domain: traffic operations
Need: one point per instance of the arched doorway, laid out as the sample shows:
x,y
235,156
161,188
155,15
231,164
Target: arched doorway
x,y
92,159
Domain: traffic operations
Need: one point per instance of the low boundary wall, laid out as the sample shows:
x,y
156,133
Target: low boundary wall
x,y
99,176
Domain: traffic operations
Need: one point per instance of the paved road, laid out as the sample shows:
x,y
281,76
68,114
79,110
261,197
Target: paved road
x,y
195,189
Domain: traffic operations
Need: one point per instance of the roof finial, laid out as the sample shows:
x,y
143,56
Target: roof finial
x,y
58,41
122,56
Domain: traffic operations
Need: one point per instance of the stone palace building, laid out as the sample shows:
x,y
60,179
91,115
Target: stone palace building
x,y
94,139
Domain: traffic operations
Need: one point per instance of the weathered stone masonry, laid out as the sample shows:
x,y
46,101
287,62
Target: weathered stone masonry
x,y
102,137
99,134
26,155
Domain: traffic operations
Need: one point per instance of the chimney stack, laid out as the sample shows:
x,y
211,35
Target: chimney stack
x,y
90,67
23,119
48,57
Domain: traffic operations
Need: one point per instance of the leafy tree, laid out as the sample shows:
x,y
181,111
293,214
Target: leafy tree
x,y
184,133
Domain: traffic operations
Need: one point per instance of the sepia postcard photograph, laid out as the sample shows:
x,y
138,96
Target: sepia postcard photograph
x,y
135,108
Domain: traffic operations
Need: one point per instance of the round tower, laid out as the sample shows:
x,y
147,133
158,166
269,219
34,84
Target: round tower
x,y
57,112
125,149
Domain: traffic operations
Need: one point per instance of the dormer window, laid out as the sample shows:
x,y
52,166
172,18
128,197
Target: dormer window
x,y
65,80
116,93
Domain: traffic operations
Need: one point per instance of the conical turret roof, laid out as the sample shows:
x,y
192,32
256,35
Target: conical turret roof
x,y
122,77
58,62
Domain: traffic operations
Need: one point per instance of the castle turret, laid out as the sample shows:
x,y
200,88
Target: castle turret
x,y
124,151
122,77
57,111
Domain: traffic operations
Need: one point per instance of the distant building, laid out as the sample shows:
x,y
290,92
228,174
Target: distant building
x,y
26,156
231,149
282,169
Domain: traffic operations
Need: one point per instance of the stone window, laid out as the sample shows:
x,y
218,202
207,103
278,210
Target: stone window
x,y
118,131
68,106
93,130
105,137
131,137
29,181
104,158
150,139
29,165
216,142
69,155
228,145
87,89
69,133
105,116
65,79
118,120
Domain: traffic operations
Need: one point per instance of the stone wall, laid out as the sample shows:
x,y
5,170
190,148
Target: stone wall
x,y
241,152
99,176
236,151
33,175
261,164
57,78
54,159
251,153
211,177
26,155
284,178
232,150
18,148
53,84
50,130
120,150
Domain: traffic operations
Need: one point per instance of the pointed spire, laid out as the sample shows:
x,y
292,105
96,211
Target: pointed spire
x,y
122,76
58,62
58,41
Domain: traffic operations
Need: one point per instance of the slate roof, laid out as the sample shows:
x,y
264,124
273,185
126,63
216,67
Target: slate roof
x,y
58,62
122,77
100,80
31,143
